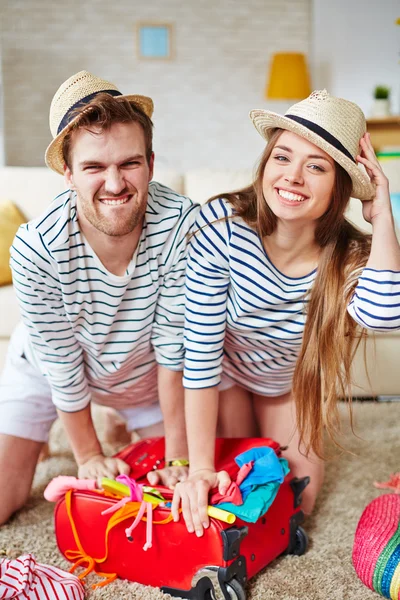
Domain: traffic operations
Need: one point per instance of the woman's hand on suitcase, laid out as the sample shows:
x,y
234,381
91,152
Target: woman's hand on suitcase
x,y
99,466
169,476
192,496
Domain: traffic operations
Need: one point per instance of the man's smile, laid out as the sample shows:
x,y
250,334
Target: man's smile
x,y
115,201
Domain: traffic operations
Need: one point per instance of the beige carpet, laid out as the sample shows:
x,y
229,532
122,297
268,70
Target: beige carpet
x,y
324,572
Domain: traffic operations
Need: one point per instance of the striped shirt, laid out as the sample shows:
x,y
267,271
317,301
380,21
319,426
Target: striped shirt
x,y
245,319
24,578
96,335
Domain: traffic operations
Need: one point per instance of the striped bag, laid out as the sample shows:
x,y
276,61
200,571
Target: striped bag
x,y
376,550
24,578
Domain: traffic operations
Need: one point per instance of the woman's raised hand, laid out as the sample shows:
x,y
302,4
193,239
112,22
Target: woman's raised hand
x,y
192,496
380,205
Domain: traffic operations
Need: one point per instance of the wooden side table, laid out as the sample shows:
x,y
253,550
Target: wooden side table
x,y
384,132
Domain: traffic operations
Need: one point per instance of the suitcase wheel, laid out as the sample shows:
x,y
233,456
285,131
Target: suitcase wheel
x,y
208,587
299,542
235,590
233,587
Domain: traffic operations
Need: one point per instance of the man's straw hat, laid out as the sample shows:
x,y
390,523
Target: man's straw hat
x,y
333,124
75,93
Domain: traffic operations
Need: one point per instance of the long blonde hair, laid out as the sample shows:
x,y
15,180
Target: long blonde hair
x,y
331,336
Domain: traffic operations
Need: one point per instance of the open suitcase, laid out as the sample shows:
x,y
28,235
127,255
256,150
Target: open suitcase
x,y
215,566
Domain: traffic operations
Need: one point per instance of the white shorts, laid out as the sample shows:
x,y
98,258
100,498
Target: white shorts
x,y
26,407
225,383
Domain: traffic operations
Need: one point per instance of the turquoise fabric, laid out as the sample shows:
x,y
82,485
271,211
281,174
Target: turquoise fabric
x,y
266,467
261,486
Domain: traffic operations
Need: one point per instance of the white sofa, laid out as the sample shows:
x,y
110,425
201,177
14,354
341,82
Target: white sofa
x,y
32,188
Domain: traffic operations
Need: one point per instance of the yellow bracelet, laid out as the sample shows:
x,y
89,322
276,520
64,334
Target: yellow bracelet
x,y
178,462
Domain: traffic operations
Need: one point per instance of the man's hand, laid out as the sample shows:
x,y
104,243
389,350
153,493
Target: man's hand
x,y
99,466
192,495
169,476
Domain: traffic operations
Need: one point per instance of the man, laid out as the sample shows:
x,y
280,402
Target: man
x,y
99,279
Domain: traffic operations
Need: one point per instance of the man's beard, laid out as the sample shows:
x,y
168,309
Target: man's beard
x,y
114,227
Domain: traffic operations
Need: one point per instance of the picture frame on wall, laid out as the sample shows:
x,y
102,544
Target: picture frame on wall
x,y
154,41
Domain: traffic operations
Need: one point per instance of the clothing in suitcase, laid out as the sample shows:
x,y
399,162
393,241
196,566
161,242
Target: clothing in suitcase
x,y
216,565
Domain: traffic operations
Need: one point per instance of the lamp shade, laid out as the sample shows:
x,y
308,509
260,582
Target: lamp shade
x,y
288,77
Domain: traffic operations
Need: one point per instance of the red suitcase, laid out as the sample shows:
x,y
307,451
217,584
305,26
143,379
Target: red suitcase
x,y
214,566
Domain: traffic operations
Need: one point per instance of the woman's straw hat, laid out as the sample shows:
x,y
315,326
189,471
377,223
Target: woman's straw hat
x,y
74,93
333,124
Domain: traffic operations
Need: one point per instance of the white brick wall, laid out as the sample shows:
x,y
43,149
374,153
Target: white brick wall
x,y
202,97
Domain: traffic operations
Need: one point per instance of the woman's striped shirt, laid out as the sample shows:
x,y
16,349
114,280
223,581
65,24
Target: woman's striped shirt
x,y
96,335
245,319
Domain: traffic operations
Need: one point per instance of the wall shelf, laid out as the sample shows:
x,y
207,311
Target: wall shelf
x,y
384,132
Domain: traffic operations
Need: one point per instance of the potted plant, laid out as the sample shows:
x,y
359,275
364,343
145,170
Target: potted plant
x,y
381,105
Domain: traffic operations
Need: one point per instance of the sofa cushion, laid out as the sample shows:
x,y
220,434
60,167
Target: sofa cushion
x,y
168,177
201,184
30,188
10,219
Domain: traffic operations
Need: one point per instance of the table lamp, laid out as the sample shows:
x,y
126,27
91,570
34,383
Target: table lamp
x,y
288,77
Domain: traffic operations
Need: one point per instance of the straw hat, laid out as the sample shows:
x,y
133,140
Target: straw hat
x,y
74,93
333,124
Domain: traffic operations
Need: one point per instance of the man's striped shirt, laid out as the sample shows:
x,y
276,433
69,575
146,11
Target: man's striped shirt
x,y
245,319
93,334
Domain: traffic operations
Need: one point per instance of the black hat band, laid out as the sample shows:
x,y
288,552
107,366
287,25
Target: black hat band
x,y
328,137
68,115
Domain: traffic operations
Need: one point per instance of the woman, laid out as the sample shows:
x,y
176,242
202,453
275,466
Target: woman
x,y
278,285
